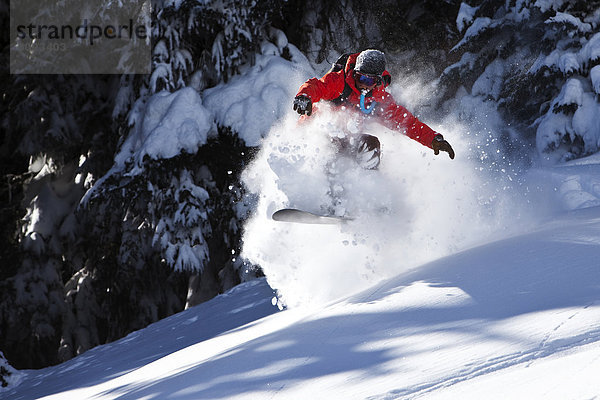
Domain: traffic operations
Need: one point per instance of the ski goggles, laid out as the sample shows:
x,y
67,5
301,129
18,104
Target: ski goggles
x,y
367,80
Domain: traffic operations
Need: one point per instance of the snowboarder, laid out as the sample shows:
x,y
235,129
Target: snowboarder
x,y
358,81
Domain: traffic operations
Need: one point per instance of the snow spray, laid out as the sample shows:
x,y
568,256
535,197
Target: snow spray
x,y
417,207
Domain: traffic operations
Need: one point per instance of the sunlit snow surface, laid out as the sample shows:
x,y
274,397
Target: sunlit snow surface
x,y
516,318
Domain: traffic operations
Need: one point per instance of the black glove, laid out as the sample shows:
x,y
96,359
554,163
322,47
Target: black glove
x,y
303,105
439,144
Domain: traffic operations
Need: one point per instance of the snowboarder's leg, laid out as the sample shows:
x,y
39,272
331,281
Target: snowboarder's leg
x,y
368,151
364,148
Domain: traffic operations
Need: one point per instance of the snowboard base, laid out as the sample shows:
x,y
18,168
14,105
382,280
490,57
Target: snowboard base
x,y
305,217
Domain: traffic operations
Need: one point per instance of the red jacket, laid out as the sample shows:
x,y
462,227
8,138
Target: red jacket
x,y
391,114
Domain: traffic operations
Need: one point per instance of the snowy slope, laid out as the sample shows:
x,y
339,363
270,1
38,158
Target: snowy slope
x,y
241,305
517,318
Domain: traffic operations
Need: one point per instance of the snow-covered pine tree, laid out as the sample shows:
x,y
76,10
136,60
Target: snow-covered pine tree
x,y
415,35
62,126
7,373
52,121
84,275
165,211
537,61
326,30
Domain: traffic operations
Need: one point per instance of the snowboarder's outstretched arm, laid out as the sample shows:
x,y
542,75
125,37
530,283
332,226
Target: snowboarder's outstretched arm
x,y
329,87
398,118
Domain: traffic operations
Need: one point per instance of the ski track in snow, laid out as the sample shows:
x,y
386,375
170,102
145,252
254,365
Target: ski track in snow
x,y
545,349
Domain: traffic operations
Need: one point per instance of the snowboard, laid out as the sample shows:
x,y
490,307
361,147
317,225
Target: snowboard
x,y
305,217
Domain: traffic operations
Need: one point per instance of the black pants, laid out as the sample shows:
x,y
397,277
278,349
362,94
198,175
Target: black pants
x,y
365,149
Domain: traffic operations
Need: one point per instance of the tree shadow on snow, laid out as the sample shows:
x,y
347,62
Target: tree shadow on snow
x,y
244,304
545,270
